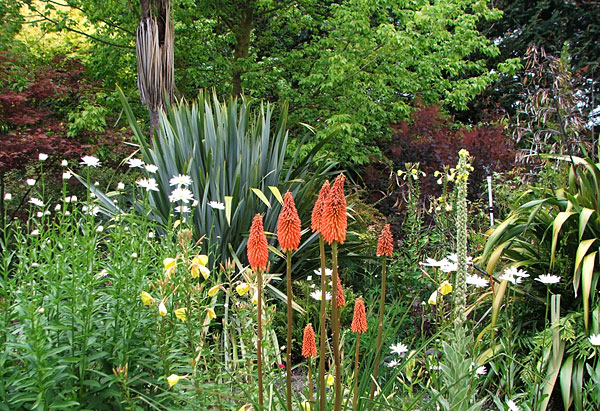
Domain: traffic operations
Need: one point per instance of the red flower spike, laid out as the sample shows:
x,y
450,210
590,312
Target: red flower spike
x,y
359,321
288,225
258,249
317,213
334,222
385,244
309,346
341,301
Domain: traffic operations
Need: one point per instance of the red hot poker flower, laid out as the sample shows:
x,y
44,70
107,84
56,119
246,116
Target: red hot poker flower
x,y
341,301
359,321
288,225
317,213
334,221
309,346
258,249
385,244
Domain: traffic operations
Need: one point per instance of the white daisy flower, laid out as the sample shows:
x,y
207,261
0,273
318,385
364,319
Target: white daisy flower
x,y
595,339
317,295
180,180
64,163
182,209
151,168
43,156
7,197
66,175
399,349
477,281
481,370
36,201
135,163
328,271
393,363
120,186
514,271
90,161
30,182
148,183
217,205
35,232
512,406
548,279
181,194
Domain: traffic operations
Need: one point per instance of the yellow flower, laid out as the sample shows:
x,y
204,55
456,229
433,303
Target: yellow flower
x,y
200,259
305,406
170,265
173,379
214,290
255,298
330,380
205,272
242,288
211,314
162,310
147,299
433,298
445,288
181,314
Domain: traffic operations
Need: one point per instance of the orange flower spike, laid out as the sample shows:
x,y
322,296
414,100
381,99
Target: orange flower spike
x,y
359,321
257,248
317,213
309,346
288,225
341,301
385,244
334,222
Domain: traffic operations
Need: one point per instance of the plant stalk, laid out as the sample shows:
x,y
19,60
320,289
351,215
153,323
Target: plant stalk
x,y
335,325
288,360
259,338
379,326
355,399
323,325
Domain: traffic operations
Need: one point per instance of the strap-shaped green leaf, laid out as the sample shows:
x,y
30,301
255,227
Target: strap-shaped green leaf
x,y
262,196
556,226
582,250
584,217
587,273
277,194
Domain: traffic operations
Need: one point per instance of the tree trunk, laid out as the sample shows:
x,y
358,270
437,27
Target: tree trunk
x,y
242,45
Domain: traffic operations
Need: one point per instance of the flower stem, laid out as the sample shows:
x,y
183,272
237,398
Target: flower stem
x,y
310,383
323,325
355,399
335,325
379,327
288,360
259,338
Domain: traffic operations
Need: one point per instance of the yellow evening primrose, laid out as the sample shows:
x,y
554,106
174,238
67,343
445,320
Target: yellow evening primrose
x,y
211,313
170,265
305,406
173,379
433,298
255,298
162,309
445,288
195,269
181,314
213,291
330,380
204,271
147,299
242,288
200,259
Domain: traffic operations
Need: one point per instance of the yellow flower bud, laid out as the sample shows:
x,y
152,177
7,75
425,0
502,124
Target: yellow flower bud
x,y
305,406
147,299
242,288
170,265
255,298
432,298
330,380
205,272
181,314
162,310
210,313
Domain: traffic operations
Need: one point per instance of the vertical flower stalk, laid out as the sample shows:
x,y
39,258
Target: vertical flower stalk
x,y
334,224
258,256
317,215
309,350
359,326
462,178
385,248
288,234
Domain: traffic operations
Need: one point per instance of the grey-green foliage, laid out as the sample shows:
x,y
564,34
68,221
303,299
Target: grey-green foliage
x,y
459,381
228,151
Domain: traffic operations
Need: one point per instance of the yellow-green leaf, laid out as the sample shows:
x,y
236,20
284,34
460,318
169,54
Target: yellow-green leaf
x,y
584,217
276,193
587,273
261,195
228,200
566,371
497,303
582,250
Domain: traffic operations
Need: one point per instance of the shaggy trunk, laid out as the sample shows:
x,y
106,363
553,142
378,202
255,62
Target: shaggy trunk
x,y
242,45
154,52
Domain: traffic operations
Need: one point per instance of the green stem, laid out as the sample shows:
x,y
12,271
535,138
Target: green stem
x,y
259,338
310,383
379,327
355,399
288,360
335,325
323,325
